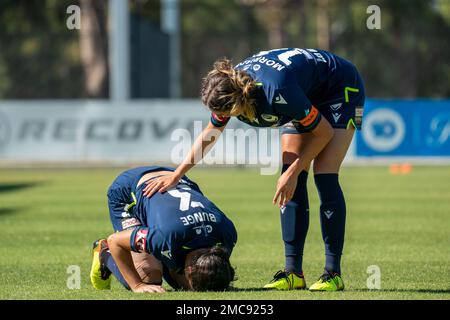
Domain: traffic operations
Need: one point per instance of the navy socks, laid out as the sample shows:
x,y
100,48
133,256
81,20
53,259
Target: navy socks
x,y
332,219
294,224
112,266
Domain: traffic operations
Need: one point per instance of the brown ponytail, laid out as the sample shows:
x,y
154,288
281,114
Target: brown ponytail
x,y
225,89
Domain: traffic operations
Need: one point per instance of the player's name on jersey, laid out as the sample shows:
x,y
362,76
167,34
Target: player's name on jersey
x,y
198,217
262,60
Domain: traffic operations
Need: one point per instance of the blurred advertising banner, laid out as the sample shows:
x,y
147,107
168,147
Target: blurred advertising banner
x,y
161,131
70,131
164,130
405,128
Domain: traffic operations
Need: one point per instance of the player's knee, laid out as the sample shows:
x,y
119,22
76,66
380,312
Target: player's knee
x,y
112,239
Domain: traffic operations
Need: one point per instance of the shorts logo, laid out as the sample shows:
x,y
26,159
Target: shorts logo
x,y
336,117
336,106
310,117
125,214
358,115
280,100
128,223
328,213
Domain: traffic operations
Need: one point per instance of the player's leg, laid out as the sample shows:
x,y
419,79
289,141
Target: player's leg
x,y
294,217
147,266
100,274
120,202
332,207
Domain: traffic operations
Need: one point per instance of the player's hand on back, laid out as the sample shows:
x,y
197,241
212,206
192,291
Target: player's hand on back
x,y
148,288
161,184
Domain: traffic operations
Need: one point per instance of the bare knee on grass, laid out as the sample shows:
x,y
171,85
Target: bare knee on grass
x,y
329,160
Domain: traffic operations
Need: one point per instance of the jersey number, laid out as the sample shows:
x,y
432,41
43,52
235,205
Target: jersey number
x,y
185,199
285,56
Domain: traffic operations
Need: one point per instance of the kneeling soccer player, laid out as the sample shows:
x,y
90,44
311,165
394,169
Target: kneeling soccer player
x,y
178,235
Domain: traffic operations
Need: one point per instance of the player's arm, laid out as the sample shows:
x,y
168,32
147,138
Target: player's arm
x,y
322,132
204,142
120,247
287,183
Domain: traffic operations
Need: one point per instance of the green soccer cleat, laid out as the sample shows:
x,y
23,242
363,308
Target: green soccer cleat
x,y
328,282
100,275
283,280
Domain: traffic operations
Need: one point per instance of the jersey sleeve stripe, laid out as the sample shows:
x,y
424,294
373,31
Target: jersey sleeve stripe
x,y
310,118
219,121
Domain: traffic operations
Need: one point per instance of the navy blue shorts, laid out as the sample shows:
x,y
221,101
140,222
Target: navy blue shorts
x,y
342,106
122,200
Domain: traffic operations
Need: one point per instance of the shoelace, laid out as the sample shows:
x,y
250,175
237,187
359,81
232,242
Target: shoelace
x,y
327,277
282,275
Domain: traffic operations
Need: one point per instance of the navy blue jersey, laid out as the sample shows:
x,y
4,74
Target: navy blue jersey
x,y
291,83
122,199
179,221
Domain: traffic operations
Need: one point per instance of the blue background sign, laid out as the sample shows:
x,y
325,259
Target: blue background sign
x,y
405,128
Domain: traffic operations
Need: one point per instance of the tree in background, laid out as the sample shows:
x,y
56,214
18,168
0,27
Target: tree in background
x,y
40,58
407,58
94,47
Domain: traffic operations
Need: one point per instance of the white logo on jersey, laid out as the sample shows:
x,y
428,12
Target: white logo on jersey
x,y
256,67
203,228
280,100
336,106
336,117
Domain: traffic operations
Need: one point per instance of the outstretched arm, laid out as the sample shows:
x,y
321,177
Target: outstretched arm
x,y
119,246
204,142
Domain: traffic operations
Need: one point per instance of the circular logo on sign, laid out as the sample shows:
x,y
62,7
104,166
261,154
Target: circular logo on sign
x,y
5,130
384,130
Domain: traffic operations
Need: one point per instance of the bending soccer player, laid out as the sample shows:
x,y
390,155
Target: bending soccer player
x,y
178,235
317,98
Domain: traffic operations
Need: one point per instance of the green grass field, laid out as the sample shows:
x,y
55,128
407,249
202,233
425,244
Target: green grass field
x,y
401,223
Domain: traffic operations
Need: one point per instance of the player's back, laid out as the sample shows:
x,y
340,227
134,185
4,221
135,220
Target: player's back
x,y
312,69
183,219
